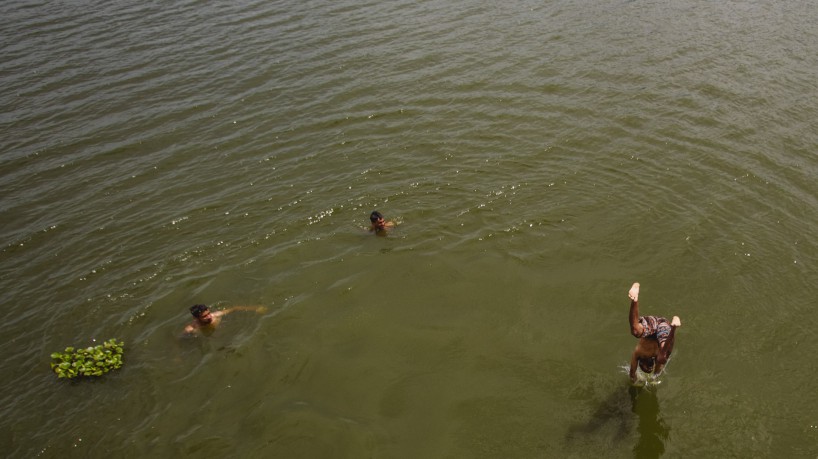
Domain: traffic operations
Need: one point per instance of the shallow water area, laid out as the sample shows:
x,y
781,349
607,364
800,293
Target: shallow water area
x,y
539,158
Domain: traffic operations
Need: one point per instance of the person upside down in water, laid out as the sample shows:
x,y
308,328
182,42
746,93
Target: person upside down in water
x,y
656,338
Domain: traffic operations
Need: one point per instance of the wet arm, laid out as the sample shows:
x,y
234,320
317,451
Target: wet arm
x,y
632,371
258,309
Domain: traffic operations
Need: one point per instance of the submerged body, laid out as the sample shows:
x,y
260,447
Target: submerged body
x,y
206,320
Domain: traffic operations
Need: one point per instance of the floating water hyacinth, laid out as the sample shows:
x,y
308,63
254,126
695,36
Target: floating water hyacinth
x,y
89,361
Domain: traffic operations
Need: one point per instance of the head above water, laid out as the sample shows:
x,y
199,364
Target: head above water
x,y
199,310
375,216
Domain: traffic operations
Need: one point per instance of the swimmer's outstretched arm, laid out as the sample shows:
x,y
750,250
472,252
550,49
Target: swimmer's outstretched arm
x,y
258,309
386,225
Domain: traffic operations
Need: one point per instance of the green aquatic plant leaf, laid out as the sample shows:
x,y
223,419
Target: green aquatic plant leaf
x,y
88,361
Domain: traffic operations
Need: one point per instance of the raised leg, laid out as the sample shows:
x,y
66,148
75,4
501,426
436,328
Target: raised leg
x,y
633,316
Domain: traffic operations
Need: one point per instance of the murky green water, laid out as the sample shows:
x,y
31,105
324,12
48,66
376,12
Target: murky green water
x,y
540,157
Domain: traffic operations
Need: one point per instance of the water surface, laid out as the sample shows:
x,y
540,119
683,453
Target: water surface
x,y
539,156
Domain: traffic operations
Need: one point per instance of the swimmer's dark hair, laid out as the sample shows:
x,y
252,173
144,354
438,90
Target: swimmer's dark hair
x,y
375,216
647,365
197,310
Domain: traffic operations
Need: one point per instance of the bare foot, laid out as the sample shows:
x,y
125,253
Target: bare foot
x,y
633,294
676,322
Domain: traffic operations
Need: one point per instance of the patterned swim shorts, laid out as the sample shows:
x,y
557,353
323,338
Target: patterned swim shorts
x,y
657,326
